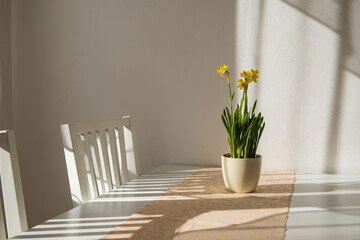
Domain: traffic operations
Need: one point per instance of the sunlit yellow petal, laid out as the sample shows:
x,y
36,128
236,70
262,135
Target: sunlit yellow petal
x,y
224,68
241,83
219,71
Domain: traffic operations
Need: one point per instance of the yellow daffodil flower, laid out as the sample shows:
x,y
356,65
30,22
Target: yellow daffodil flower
x,y
254,75
222,70
242,83
243,74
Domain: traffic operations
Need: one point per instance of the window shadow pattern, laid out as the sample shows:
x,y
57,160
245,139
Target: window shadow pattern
x,y
342,18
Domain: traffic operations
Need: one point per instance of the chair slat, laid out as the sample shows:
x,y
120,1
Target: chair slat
x,y
131,151
115,157
12,207
79,154
108,148
105,158
98,163
93,186
123,161
104,153
3,231
17,181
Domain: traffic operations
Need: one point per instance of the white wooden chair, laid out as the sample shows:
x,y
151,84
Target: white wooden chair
x,y
12,208
100,156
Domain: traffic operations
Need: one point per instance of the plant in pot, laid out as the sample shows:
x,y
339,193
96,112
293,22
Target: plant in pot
x,y
241,167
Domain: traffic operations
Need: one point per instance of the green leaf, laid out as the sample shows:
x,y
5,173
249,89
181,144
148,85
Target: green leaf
x,y
253,108
228,114
225,123
261,131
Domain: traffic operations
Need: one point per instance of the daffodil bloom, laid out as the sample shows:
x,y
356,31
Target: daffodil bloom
x,y
244,74
255,71
242,83
254,75
222,70
247,75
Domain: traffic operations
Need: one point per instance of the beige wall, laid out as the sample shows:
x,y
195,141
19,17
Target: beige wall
x,y
155,60
90,60
5,65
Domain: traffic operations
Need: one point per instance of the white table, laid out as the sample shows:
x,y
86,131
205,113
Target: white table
x,y
323,207
98,217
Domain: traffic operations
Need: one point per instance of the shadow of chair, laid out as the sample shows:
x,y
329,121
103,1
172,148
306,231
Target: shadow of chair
x,y
12,208
100,156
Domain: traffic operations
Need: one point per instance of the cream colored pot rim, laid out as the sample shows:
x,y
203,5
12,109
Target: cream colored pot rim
x,y
226,155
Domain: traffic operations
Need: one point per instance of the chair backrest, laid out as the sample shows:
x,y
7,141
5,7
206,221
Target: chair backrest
x,y
12,208
100,156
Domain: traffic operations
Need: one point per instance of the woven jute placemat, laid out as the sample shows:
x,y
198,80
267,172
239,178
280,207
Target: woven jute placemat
x,y
200,207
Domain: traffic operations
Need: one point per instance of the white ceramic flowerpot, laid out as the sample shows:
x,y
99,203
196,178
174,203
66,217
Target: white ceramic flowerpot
x,y
241,175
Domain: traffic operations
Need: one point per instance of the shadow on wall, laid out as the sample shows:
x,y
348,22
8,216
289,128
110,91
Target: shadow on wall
x,y
343,19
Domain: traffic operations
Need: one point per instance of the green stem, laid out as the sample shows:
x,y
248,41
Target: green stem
x,y
231,98
246,102
232,147
241,103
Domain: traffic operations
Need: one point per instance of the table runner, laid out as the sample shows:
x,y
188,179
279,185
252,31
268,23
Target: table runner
x,y
201,208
